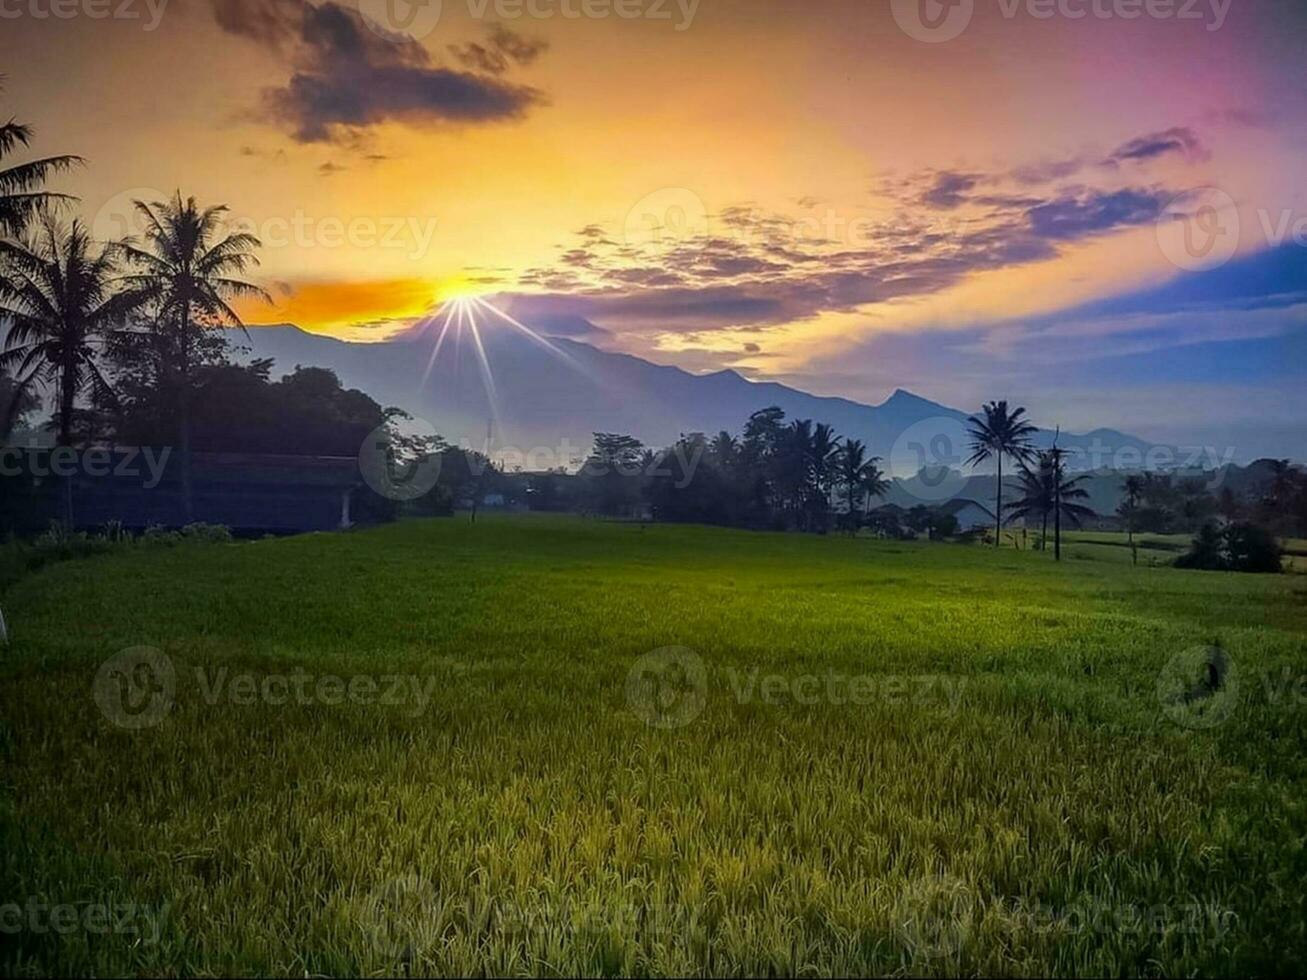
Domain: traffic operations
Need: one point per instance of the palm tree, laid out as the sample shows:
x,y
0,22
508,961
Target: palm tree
x,y
1047,491
21,194
1134,487
850,467
62,309
187,270
858,476
1037,495
823,450
1000,433
874,483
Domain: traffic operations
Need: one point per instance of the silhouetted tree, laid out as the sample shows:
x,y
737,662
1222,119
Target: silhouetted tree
x,y
997,433
22,186
62,309
186,269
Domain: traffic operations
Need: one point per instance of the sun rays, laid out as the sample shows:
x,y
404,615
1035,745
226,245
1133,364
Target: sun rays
x,y
470,314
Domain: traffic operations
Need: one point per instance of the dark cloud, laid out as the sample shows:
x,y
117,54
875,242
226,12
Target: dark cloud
x,y
949,190
1179,140
1095,212
501,49
348,77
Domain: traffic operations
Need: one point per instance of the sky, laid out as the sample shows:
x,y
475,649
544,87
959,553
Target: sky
x,y
1091,207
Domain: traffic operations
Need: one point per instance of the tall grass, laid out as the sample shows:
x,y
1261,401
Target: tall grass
x,y
527,819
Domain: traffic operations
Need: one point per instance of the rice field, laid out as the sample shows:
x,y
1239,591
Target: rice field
x,y
551,746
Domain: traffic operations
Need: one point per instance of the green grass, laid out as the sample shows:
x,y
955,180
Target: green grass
x,y
1033,811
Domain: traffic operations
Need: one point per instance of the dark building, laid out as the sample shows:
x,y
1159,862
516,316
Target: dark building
x,y
143,487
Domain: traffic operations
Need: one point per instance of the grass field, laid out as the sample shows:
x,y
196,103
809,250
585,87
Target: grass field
x,y
863,757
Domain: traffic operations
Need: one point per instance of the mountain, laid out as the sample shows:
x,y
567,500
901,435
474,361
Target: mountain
x,y
551,396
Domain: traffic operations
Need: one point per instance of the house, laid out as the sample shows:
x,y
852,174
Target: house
x,y
248,493
970,515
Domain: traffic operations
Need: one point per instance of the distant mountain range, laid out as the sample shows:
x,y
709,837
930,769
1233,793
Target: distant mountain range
x,y
549,400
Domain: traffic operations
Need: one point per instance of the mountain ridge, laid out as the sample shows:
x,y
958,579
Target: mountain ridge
x,y
546,398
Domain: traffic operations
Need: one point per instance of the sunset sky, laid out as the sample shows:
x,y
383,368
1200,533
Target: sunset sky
x,y
803,191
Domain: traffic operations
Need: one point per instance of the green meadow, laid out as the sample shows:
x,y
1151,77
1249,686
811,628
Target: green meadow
x,y
554,746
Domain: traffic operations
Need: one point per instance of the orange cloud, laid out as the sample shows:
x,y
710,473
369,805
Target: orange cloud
x,y
350,310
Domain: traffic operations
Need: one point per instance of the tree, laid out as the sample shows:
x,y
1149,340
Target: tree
x,y
21,186
1066,493
613,469
850,471
874,483
1133,488
1036,500
186,269
1238,547
999,433
15,405
62,310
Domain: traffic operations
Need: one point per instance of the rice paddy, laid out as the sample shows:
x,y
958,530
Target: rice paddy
x,y
553,746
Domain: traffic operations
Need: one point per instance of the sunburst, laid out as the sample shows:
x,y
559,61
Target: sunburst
x,y
470,314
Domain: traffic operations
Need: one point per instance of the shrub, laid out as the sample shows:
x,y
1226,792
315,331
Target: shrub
x,y
1238,547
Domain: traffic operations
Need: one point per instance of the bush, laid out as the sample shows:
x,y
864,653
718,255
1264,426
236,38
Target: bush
x,y
1238,547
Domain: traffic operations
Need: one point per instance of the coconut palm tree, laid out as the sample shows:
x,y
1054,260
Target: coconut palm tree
x,y
21,186
1000,432
188,269
859,477
874,483
62,309
1036,500
1047,491
850,467
1133,487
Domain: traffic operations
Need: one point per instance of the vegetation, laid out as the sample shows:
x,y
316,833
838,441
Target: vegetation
x,y
1236,547
1050,819
1000,432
